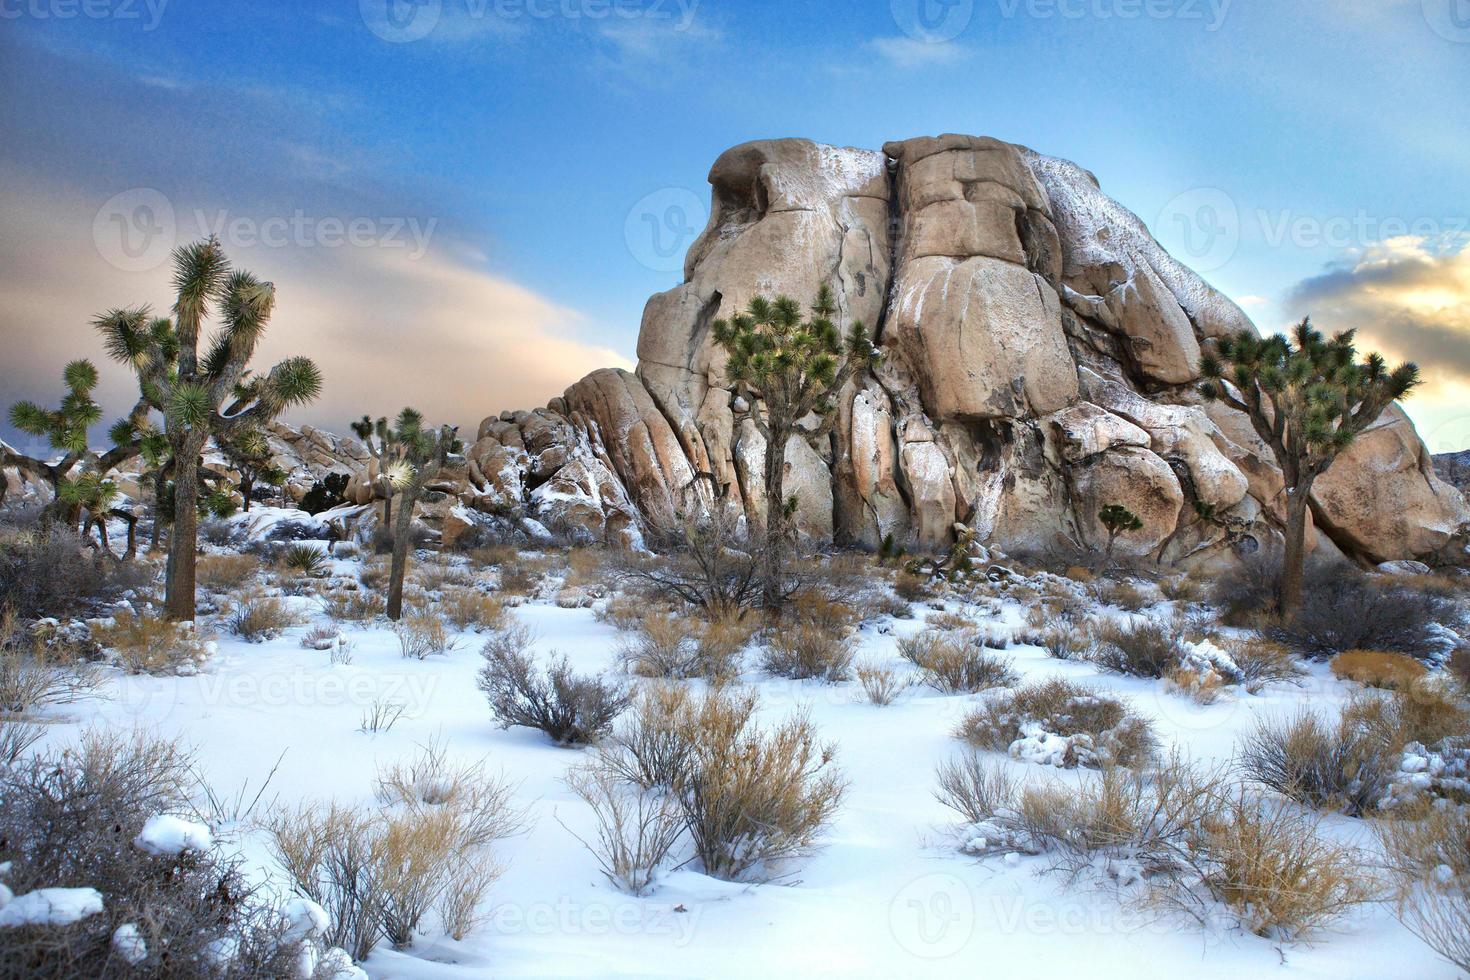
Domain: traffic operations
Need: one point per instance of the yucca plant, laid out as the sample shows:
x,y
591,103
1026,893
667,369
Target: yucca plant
x,y
1307,397
203,394
304,559
782,369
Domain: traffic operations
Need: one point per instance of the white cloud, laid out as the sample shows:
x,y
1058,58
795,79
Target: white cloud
x,y
908,52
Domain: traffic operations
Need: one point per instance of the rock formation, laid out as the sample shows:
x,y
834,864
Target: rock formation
x,y
1041,361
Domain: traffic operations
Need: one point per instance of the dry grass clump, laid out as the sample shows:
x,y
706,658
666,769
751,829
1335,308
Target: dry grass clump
x,y
585,567
881,603
814,607
1428,858
911,587
151,644
1078,642
225,573
353,605
950,621
1141,648
1426,712
809,650
1262,662
621,612
721,642
571,709
636,827
1184,587
1377,668
1201,687
662,645
481,802
421,636
881,685
374,574
521,576
956,664
33,674
439,573
321,638
471,609
1126,594
1102,729
257,617
1342,766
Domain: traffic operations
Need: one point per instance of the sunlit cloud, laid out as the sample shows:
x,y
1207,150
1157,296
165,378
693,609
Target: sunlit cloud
x,y
909,52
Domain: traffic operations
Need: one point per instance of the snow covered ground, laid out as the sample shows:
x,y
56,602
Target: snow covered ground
x,y
887,895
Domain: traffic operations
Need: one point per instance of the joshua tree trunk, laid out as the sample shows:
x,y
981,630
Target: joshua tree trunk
x,y
401,535
1293,569
179,578
773,561
247,487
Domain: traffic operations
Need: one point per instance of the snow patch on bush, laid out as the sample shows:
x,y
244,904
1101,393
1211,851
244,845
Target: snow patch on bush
x,y
165,835
51,907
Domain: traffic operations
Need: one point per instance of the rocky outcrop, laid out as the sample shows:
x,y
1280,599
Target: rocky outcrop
x,y
1041,355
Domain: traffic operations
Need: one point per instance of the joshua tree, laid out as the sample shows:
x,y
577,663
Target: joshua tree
x,y
380,443
422,453
250,454
190,388
65,428
785,369
1116,519
1307,398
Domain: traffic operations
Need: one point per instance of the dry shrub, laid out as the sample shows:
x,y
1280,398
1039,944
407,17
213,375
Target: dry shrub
x,y
1343,609
439,574
809,650
813,607
320,638
16,737
481,804
881,603
256,617
752,797
422,636
956,664
1262,662
1184,587
33,674
650,747
1141,648
1076,642
56,575
1376,668
521,576
1266,862
374,574
225,573
1125,594
585,567
353,606
68,818
976,788
572,709
1427,711
636,827
950,621
471,609
467,880
911,587
1114,734
621,612
662,645
721,642
1201,687
151,644
1079,574
1428,858
494,555
881,685
328,851
1346,766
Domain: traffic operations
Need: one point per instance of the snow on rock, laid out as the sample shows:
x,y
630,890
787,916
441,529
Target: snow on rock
x,y
168,835
1441,773
51,907
128,943
337,965
1044,748
305,919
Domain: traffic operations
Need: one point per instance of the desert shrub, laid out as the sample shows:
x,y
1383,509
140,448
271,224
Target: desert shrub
x,y
636,827
57,576
1085,728
304,559
17,736
976,788
571,709
440,574
151,644
1428,859
881,603
752,797
1375,668
320,638
1340,765
956,664
950,621
257,617
1200,686
1125,594
471,609
33,674
662,645
650,747
328,851
1266,862
1140,648
621,612
1426,711
381,715
422,636
1184,587
522,576
1262,662
68,819
911,587
809,650
1344,609
881,685
814,607
482,804
373,575
353,605
225,573
719,646
1247,592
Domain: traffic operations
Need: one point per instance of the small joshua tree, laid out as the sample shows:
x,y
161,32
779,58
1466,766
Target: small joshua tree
x,y
785,369
1116,519
1307,398
380,443
199,393
250,454
422,454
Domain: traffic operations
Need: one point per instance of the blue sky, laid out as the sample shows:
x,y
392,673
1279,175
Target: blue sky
x,y
1308,157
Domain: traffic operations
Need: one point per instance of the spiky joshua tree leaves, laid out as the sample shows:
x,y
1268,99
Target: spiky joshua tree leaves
x,y
250,454
421,453
1307,397
378,437
784,369
199,391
